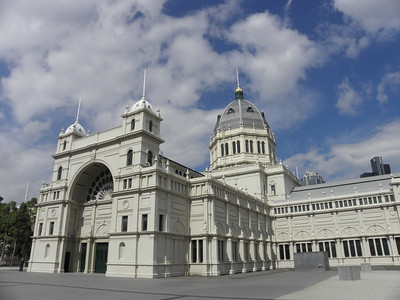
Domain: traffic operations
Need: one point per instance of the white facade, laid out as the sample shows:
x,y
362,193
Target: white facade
x,y
116,206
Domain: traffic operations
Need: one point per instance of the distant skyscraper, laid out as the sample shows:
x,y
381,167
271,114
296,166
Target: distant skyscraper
x,y
311,178
378,168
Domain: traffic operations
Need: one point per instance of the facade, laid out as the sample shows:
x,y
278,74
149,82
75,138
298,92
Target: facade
x,y
116,206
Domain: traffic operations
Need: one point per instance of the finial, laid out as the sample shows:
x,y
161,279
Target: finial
x,y
79,108
144,84
238,91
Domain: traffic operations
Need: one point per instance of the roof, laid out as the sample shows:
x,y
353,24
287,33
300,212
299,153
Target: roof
x,y
338,189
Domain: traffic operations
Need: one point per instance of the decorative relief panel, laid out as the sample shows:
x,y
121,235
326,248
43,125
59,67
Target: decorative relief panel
x,y
323,219
325,233
350,231
283,236
376,229
302,235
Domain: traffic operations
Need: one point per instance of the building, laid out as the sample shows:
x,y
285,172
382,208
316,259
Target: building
x,y
311,178
378,168
116,206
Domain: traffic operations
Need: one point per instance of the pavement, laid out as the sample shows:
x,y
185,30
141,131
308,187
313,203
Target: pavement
x,y
272,284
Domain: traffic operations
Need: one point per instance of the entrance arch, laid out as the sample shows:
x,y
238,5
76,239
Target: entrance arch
x,y
93,182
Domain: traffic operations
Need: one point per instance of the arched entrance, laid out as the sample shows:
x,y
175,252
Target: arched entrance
x,y
90,196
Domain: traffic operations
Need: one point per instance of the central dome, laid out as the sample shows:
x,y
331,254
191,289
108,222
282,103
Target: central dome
x,y
241,113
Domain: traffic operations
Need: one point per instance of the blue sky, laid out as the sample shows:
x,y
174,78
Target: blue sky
x,y
326,74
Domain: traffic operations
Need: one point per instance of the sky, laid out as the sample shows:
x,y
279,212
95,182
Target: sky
x,y
325,73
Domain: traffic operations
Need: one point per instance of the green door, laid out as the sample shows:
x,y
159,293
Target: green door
x,y
100,265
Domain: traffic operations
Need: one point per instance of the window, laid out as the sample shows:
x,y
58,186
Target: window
x,y
59,173
221,250
151,126
222,150
352,248
234,147
129,158
258,147
197,251
251,146
263,147
161,223
124,224
133,124
234,251
226,149
246,251
238,146
51,229
378,247
284,252
65,145
231,111
250,109
40,229
329,247
150,157
273,189
303,247
247,146
144,222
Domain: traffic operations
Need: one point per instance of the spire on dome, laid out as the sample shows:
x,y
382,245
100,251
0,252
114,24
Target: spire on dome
x,y
238,91
144,86
76,127
79,109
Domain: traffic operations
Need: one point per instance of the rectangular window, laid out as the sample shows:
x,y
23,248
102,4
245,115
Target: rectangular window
x,y
284,252
234,251
197,251
379,247
273,190
40,229
160,222
194,251
51,229
352,248
124,224
144,222
221,251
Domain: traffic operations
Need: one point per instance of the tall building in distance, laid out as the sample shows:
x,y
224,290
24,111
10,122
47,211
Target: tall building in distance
x,y
378,168
311,178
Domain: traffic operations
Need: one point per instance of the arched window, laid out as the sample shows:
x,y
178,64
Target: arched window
x,y
133,124
151,126
46,251
150,157
59,173
129,158
226,149
251,146
247,146
234,147
222,150
231,111
263,147
121,252
250,109
258,147
238,146
65,145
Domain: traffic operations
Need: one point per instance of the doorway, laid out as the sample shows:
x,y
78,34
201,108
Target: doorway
x,y
100,265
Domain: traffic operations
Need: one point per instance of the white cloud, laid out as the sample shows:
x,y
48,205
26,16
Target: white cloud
x,y
345,160
375,17
391,82
349,99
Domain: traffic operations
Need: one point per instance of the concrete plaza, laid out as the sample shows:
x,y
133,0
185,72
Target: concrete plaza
x,y
274,284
